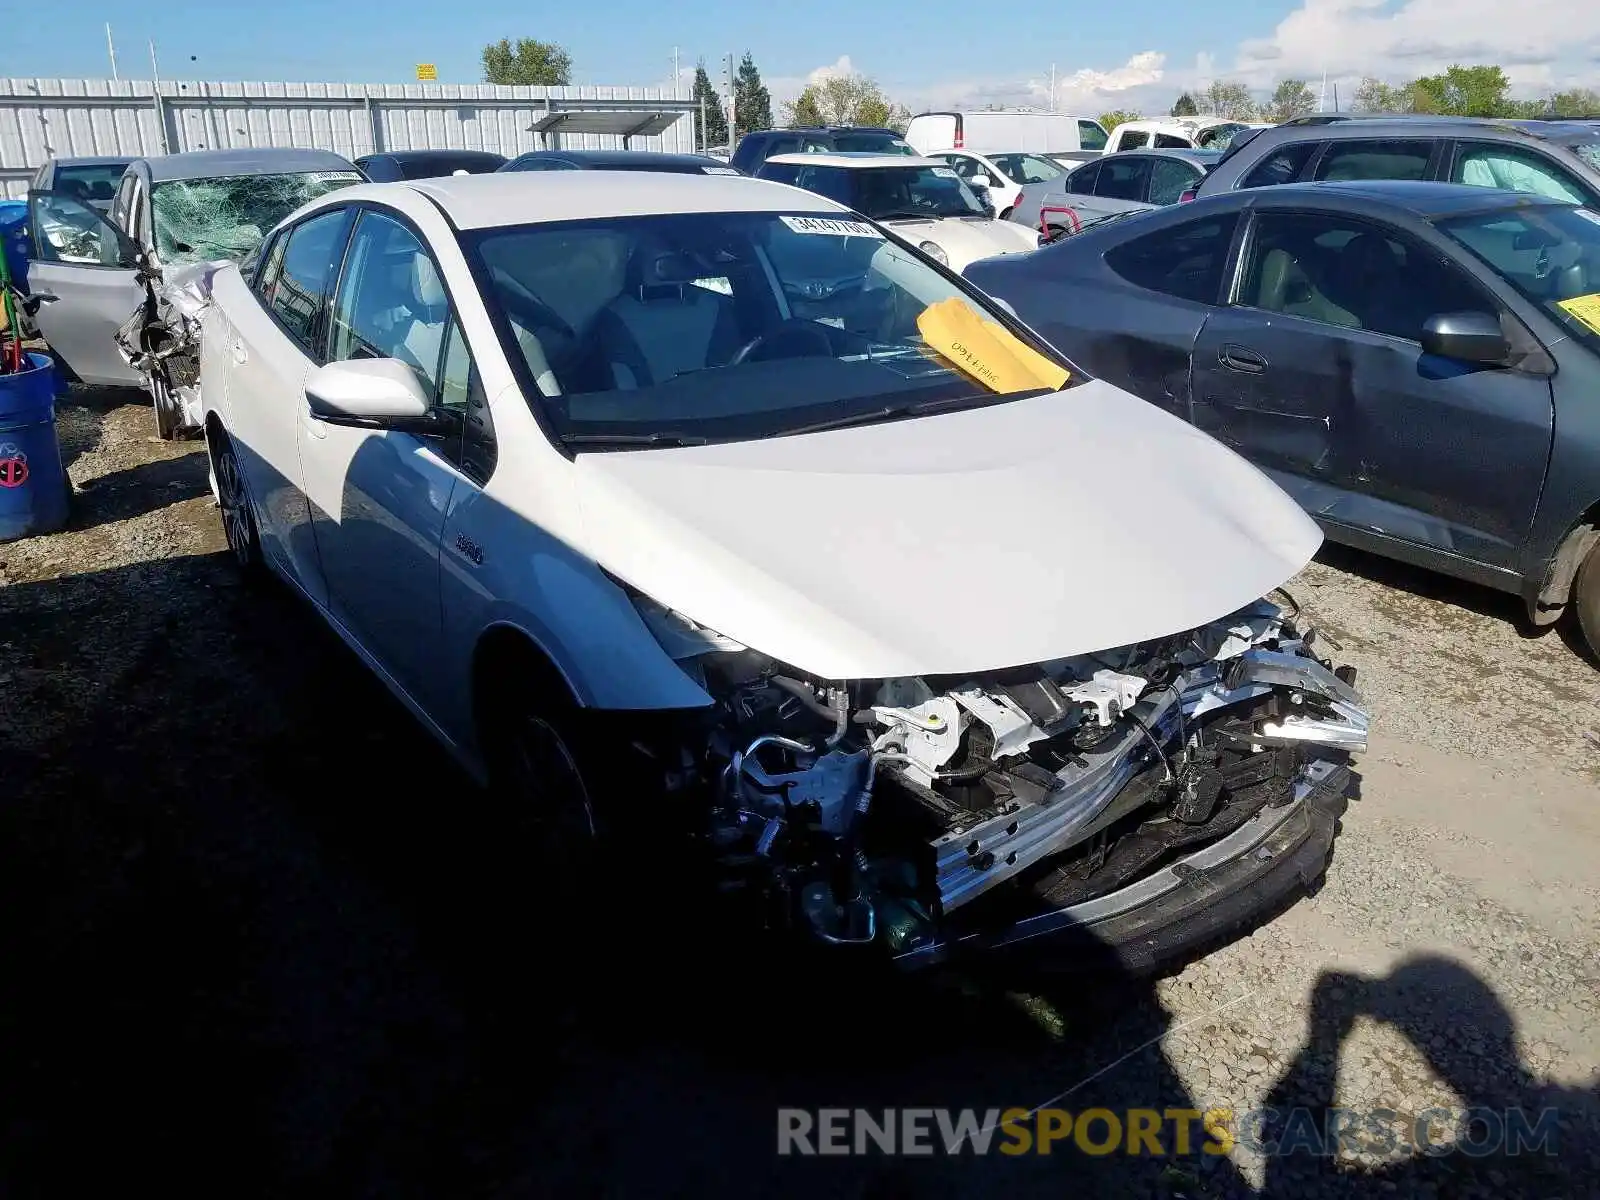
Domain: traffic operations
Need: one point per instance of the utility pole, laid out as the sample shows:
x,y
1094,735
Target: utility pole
x,y
111,49
729,77
1052,87
677,74
155,87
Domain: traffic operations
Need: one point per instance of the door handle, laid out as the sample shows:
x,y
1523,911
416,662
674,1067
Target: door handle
x,y
1241,358
240,355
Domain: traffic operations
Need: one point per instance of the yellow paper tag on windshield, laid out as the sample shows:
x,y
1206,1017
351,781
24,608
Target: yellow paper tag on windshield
x,y
986,351
1585,308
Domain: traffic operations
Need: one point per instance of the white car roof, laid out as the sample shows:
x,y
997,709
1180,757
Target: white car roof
x,y
857,160
529,197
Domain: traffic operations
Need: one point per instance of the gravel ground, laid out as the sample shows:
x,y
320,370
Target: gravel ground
x,y
262,939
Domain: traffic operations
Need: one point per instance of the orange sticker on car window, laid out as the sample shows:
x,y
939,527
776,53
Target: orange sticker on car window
x,y
986,351
1585,309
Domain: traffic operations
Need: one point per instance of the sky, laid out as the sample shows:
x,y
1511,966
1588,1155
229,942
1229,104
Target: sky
x,y
924,53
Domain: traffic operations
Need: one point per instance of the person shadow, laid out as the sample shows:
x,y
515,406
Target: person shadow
x,y
1506,1134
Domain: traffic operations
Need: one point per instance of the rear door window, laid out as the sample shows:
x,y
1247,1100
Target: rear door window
x,y
1185,260
1132,139
1376,158
1123,178
1283,165
1171,141
1083,180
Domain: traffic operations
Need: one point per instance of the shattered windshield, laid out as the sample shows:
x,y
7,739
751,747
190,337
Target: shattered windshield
x,y
199,220
1588,151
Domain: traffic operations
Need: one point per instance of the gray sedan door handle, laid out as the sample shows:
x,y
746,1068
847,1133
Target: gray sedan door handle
x,y
1241,358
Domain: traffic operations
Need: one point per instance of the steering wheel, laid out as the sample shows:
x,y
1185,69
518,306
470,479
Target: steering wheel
x,y
808,338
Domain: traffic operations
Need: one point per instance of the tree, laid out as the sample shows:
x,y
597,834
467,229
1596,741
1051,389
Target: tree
x,y
752,103
1290,99
1185,106
844,100
1463,92
530,61
1576,102
715,130
1231,100
1375,96
1118,116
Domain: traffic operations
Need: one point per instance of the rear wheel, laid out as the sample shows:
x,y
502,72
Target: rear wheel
x,y
1586,597
233,498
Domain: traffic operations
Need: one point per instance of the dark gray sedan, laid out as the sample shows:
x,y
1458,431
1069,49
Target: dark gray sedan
x,y
1417,363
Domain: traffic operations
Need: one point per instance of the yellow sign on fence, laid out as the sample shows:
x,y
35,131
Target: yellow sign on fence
x,y
427,71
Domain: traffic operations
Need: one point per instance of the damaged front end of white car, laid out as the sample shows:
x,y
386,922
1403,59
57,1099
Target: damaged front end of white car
x,y
1142,800
161,341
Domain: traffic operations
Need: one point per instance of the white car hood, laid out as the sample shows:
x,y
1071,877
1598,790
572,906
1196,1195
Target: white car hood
x,y
965,241
954,544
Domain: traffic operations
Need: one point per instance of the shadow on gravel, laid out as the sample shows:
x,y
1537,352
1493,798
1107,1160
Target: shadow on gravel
x,y
138,490
1516,1137
261,938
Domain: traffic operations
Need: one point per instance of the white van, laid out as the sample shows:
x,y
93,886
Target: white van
x,y
1004,131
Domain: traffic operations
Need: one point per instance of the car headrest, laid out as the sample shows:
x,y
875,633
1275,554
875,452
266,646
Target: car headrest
x,y
427,289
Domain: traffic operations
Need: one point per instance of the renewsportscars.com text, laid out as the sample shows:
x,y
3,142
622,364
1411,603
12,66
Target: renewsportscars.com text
x,y
1160,1132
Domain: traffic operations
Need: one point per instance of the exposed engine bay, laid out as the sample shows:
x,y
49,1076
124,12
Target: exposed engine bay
x,y
161,340
900,812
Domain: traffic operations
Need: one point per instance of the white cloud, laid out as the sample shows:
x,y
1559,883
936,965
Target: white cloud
x,y
1541,43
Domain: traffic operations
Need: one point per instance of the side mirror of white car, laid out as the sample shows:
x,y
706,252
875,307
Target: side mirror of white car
x,y
373,392
980,181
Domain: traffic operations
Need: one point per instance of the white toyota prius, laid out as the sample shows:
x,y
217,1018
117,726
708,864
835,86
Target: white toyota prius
x,y
700,496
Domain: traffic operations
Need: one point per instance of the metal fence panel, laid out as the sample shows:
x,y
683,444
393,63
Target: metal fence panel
x,y
45,118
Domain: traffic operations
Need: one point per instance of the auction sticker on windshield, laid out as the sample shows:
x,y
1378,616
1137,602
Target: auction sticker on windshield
x,y
944,172
1585,309
831,227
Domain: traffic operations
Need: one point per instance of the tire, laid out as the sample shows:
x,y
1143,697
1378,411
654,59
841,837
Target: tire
x,y
1586,598
168,414
544,777
238,517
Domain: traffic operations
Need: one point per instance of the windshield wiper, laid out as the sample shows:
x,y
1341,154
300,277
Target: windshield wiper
x,y
920,409
907,215
657,438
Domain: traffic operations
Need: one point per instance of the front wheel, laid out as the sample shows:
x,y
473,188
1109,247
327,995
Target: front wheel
x,y
169,413
1586,597
545,779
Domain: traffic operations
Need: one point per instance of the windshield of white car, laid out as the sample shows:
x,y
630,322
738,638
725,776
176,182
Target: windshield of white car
x,y
675,329
1549,252
202,220
1027,168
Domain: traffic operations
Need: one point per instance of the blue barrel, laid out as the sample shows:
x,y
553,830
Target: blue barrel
x,y
33,485
14,240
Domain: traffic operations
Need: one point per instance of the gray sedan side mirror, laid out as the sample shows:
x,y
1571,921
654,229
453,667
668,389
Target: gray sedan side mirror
x,y
1473,337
